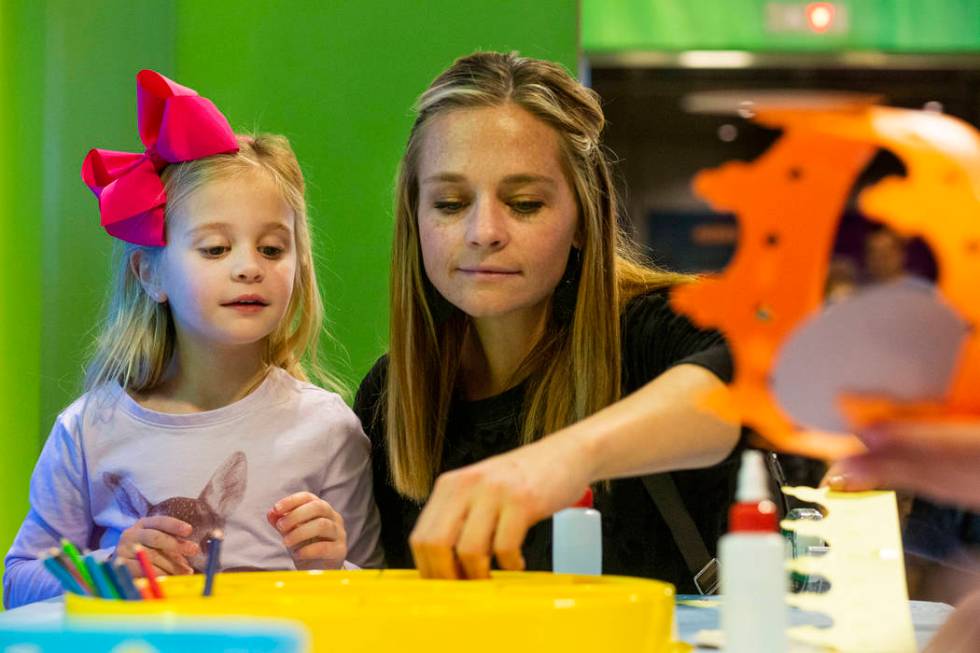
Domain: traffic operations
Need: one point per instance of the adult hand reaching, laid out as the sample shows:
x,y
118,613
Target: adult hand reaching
x,y
487,508
938,459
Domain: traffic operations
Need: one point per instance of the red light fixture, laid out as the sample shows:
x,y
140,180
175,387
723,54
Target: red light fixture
x,y
820,16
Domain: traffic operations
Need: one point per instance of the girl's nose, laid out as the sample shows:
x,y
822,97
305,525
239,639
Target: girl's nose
x,y
247,268
487,224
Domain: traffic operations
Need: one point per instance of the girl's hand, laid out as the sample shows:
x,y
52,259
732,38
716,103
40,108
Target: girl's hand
x,y
312,531
162,537
487,508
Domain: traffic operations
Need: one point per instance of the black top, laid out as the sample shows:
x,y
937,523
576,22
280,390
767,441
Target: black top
x,y
636,541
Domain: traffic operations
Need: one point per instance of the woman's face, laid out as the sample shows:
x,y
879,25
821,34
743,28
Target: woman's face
x,y
497,217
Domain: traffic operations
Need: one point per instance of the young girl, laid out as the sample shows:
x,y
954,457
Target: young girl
x,y
198,413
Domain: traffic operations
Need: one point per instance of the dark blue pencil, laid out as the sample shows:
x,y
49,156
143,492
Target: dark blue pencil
x,y
58,571
110,575
214,557
125,580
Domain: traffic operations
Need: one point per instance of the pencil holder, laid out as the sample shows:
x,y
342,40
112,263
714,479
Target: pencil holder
x,y
371,610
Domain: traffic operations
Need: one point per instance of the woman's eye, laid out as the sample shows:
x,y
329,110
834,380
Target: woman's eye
x,y
270,251
526,207
449,206
213,252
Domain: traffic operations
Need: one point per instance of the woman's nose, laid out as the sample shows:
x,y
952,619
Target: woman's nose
x,y
487,225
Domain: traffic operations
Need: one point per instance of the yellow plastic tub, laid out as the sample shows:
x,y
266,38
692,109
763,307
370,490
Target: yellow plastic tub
x,y
370,611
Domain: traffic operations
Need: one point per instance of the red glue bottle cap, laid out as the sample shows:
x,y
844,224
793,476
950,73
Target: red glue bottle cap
x,y
753,511
585,501
753,518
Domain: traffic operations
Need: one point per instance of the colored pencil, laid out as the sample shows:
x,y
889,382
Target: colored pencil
x,y
102,582
124,580
151,578
214,560
76,558
68,582
71,569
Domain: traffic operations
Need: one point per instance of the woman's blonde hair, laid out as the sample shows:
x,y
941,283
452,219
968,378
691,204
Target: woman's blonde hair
x,y
574,370
137,341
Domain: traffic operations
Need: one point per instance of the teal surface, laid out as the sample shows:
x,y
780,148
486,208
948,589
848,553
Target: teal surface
x,y
211,636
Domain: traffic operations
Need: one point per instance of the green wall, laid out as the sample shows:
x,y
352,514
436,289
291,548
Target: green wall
x,y
21,48
338,77
899,26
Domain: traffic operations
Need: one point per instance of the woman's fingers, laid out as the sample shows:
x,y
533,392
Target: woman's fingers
x,y
511,530
487,508
476,536
434,538
944,480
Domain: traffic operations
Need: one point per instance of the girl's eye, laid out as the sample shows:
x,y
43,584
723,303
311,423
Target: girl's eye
x,y
213,252
269,251
526,207
449,206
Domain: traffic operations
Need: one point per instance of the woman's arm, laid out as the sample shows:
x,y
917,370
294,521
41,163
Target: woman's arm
x,y
486,509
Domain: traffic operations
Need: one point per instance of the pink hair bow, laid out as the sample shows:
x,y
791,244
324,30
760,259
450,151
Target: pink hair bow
x,y
175,124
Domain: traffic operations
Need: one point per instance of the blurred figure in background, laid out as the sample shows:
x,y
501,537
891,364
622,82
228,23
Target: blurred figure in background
x,y
884,256
842,279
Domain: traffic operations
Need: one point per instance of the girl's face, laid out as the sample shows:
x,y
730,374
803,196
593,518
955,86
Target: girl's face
x,y
497,217
230,262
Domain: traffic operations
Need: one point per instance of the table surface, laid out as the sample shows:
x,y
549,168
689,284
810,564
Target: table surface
x,y
926,617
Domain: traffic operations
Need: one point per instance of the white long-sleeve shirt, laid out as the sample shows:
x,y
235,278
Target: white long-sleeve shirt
x,y
110,461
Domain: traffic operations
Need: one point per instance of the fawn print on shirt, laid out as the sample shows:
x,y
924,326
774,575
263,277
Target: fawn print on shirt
x,y
218,499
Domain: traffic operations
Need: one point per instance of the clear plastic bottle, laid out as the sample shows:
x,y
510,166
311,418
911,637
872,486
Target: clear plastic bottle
x,y
753,573
577,539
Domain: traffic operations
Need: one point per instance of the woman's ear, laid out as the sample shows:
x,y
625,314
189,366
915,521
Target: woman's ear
x,y
145,270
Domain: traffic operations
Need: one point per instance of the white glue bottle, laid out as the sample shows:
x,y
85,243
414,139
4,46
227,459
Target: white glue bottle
x,y
576,542
753,574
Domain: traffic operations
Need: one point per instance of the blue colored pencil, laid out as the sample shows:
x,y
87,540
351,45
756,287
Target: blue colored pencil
x,y
110,575
102,584
214,557
125,580
58,571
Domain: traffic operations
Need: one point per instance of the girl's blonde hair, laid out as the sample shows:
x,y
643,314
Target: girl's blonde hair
x,y
137,341
574,370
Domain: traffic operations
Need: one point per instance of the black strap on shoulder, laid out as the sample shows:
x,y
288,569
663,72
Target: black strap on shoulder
x,y
703,567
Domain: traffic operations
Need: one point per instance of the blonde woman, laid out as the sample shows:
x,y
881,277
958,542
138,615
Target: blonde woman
x,y
532,354
198,414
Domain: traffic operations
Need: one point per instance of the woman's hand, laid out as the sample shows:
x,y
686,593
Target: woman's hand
x,y
937,459
311,529
162,538
487,508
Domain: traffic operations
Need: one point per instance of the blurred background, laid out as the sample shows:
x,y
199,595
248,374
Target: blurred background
x,y
339,77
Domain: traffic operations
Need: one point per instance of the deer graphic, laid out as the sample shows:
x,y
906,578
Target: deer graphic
x,y
221,495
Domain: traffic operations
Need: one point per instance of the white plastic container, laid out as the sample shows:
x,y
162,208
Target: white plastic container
x,y
753,575
577,539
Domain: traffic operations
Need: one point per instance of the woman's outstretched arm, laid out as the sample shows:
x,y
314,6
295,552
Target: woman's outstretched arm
x,y
486,509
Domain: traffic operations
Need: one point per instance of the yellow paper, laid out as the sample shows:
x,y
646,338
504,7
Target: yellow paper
x,y
867,600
